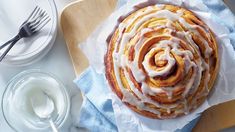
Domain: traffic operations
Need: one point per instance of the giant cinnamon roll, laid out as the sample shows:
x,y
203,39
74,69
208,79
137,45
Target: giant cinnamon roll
x,y
162,61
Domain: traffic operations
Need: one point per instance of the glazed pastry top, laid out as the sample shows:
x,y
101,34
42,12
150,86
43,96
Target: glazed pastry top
x,y
162,61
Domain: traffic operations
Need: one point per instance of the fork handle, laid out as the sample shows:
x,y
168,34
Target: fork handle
x,y
16,39
10,41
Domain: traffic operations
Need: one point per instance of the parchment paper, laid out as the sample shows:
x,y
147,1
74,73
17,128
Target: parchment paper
x,y
224,88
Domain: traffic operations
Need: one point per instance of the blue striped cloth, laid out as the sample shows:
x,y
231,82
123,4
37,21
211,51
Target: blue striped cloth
x,y
97,112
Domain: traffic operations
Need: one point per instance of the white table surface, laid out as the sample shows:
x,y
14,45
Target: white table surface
x,y
55,61
58,62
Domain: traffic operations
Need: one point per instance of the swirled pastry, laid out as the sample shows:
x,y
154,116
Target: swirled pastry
x,y
162,61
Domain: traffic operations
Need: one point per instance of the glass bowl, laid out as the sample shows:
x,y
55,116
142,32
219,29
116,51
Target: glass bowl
x,y
17,106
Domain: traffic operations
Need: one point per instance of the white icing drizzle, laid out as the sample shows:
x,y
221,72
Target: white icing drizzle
x,y
123,60
192,29
159,14
168,24
186,108
137,73
166,56
172,45
160,6
150,91
142,98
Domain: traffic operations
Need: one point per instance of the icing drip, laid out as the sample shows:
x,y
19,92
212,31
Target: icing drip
x,y
137,73
166,56
167,60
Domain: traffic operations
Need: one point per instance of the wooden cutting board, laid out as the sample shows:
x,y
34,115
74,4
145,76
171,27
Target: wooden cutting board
x,y
80,18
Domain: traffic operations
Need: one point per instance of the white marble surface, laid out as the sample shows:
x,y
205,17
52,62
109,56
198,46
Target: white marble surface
x,y
58,62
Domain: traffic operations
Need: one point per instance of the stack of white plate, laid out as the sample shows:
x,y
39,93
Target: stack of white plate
x,y
28,50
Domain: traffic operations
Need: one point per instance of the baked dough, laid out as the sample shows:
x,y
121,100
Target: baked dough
x,y
162,61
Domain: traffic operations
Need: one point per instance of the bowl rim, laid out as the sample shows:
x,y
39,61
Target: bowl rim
x,y
18,78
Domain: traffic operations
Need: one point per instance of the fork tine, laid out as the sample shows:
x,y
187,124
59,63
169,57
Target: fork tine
x,y
35,23
35,11
35,15
42,24
32,12
40,12
44,19
38,18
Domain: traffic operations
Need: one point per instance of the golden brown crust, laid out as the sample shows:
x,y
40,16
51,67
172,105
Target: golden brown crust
x,y
176,78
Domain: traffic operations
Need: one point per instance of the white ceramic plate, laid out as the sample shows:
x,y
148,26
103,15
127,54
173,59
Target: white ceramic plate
x,y
12,15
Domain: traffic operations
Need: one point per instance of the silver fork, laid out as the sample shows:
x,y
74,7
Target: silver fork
x,y
34,23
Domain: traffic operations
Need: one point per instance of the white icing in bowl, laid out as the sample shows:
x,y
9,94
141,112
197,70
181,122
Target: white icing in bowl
x,y
16,105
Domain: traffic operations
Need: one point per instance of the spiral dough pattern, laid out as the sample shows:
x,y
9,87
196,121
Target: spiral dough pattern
x,y
162,61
